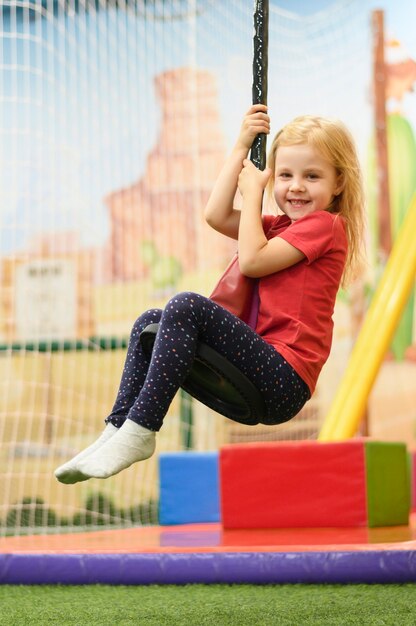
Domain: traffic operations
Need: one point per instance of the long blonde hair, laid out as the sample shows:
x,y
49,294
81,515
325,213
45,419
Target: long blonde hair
x,y
335,143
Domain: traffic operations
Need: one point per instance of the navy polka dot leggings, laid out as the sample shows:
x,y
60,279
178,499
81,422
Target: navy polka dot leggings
x,y
148,386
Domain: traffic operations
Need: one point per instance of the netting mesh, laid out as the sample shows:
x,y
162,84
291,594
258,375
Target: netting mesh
x,y
115,120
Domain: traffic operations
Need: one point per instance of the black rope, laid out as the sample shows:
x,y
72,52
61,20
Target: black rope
x,y
260,64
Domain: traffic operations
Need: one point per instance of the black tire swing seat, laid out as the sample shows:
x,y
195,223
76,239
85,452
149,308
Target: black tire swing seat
x,y
217,383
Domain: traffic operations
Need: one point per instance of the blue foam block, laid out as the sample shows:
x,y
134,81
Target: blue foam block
x,y
189,488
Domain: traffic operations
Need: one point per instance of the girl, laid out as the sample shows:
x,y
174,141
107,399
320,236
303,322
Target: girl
x,y
314,243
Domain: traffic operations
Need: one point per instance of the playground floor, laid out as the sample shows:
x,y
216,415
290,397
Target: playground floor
x,y
208,553
213,538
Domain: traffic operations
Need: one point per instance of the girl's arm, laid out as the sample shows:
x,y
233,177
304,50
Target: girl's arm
x,y
219,211
258,256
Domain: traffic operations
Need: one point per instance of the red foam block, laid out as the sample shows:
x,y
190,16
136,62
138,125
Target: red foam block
x,y
293,484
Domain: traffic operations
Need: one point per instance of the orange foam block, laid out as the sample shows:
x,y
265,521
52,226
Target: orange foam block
x,y
314,484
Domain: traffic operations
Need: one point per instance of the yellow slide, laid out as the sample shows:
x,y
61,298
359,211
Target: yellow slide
x,y
375,335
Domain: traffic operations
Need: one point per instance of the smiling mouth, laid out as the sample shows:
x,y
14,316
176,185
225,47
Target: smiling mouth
x,y
298,202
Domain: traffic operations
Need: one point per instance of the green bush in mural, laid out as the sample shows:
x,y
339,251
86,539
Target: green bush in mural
x,y
402,185
99,510
31,512
164,271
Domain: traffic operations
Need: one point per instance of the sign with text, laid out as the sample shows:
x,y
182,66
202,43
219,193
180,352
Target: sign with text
x,y
46,299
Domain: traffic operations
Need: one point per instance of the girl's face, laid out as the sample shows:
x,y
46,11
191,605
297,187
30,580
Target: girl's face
x,y
304,181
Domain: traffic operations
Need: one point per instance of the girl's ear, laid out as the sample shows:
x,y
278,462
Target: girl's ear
x,y
340,184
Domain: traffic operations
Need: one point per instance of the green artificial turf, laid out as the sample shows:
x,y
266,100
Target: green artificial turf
x,y
213,605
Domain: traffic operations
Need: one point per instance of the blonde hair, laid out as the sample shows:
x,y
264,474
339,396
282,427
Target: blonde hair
x,y
335,143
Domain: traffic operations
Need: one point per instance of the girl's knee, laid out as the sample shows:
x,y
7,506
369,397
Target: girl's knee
x,y
182,302
187,307
152,316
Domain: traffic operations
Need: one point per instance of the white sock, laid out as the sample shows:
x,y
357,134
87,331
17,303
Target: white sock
x,y
132,443
68,472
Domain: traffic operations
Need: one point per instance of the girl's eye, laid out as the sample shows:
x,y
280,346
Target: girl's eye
x,y
284,175
313,176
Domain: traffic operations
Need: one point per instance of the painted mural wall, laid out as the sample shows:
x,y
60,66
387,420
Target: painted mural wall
x,y
115,123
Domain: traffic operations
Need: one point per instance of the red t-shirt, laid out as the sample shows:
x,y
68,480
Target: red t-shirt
x,y
296,304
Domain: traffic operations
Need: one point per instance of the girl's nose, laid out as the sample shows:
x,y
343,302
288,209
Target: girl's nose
x,y
296,185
